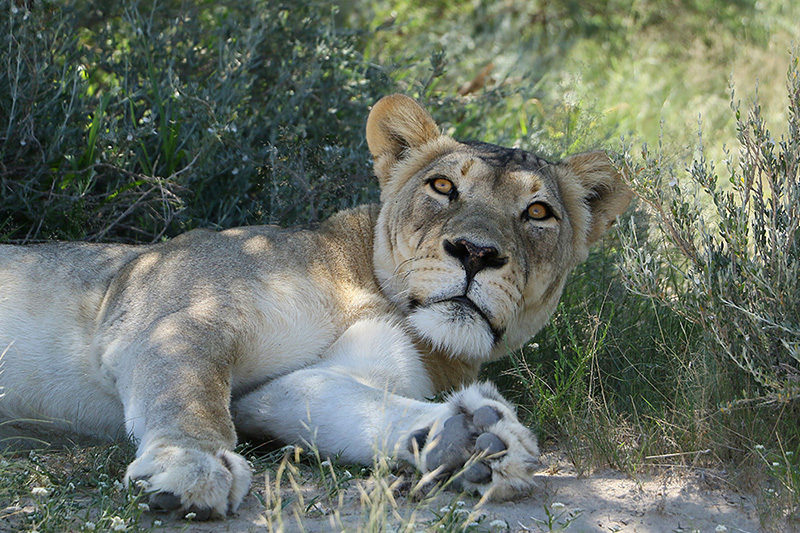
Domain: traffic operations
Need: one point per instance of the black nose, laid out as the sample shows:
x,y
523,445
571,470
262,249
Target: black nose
x,y
474,257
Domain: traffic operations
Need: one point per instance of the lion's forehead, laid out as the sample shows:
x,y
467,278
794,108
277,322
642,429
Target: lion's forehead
x,y
502,157
499,171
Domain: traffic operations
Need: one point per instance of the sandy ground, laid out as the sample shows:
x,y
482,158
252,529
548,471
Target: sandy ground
x,y
676,501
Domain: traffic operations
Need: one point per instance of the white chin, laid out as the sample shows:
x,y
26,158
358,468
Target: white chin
x,y
453,328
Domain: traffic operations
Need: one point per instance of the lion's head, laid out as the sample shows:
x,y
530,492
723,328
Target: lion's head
x,y
474,241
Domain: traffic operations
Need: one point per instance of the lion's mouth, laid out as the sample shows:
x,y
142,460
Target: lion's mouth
x,y
465,301
468,306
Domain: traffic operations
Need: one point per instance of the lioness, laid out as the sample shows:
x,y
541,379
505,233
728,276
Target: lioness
x,y
333,337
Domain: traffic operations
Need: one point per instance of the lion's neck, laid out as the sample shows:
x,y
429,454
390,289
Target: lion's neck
x,y
446,372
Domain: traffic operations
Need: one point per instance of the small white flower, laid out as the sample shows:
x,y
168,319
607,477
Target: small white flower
x,y
245,158
445,509
129,137
759,446
89,526
14,10
498,523
190,516
557,506
157,523
234,172
720,529
144,507
40,491
146,119
461,512
210,130
460,503
118,524
775,463
23,142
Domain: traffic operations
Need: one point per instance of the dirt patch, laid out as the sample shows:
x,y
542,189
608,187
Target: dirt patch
x,y
675,501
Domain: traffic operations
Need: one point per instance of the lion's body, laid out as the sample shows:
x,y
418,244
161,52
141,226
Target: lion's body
x,y
88,303
335,336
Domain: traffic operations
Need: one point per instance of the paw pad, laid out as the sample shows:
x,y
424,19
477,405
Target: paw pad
x,y
463,437
489,443
451,447
485,416
164,501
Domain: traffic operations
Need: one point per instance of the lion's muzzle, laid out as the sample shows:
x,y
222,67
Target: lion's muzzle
x,y
474,257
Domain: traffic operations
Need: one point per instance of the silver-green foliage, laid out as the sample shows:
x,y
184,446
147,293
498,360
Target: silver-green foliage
x,y
727,256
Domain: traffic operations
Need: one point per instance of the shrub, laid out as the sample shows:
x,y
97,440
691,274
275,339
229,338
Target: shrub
x,y
132,123
726,257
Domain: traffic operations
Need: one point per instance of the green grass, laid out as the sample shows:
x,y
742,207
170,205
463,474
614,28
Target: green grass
x,y
134,124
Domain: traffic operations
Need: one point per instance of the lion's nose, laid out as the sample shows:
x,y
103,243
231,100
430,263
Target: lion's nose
x,y
474,257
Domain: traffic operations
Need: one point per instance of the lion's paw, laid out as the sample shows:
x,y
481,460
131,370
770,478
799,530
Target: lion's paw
x,y
482,446
191,481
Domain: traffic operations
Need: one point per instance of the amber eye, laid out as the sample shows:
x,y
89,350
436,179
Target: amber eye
x,y
442,185
538,211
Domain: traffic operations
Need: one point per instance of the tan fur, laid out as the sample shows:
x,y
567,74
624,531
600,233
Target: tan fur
x,y
174,342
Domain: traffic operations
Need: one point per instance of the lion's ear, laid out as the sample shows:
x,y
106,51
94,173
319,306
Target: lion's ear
x,y
396,124
605,194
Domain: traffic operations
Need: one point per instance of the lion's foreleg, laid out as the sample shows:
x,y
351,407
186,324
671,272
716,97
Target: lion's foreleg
x,y
335,413
360,400
365,400
175,389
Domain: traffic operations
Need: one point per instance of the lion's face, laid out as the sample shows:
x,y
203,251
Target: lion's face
x,y
474,241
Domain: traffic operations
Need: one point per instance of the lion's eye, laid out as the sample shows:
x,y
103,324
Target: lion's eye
x,y
538,211
443,186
